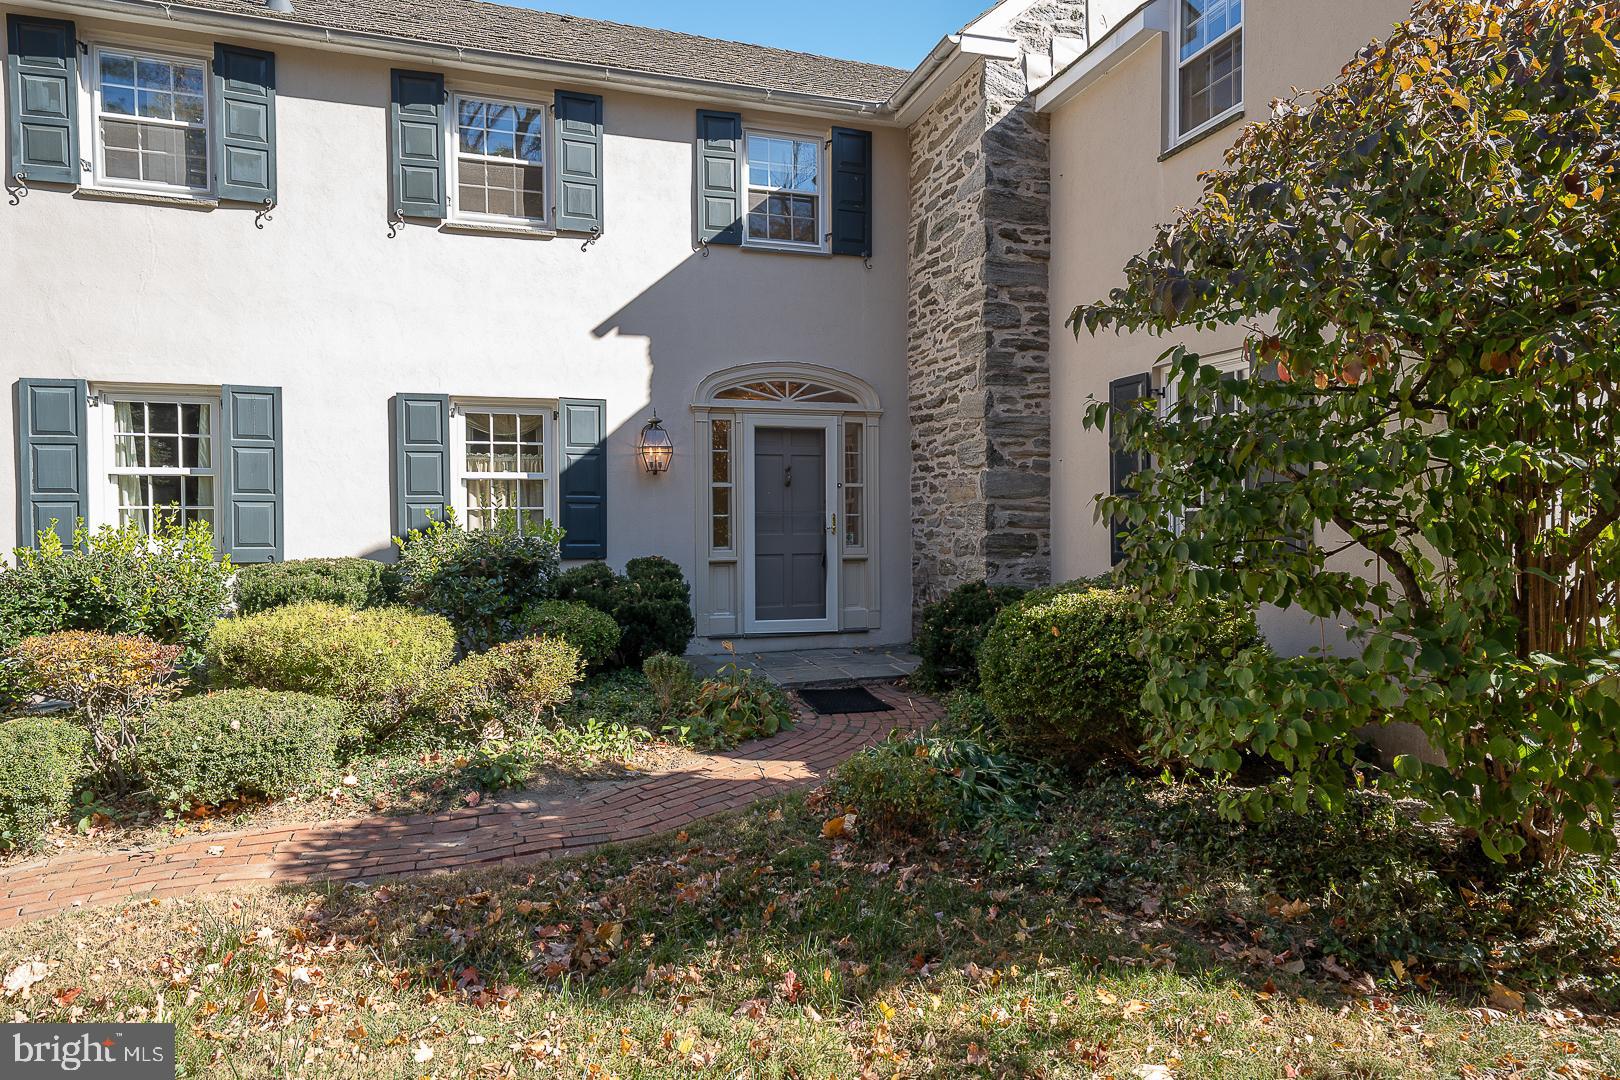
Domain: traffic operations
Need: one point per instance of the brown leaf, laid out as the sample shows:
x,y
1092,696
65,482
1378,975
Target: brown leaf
x,y
1505,999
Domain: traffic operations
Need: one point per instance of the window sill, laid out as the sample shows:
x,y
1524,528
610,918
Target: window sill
x,y
1193,140
150,198
480,228
783,249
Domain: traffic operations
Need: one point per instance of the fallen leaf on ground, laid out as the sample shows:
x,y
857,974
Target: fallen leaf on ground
x,y
22,977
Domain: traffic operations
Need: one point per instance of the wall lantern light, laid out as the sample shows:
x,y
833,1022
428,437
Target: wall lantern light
x,y
656,449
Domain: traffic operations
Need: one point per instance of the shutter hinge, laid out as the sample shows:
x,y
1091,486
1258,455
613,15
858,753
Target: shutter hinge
x,y
84,46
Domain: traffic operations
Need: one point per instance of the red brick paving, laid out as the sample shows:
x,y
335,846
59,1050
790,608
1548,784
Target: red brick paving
x,y
499,831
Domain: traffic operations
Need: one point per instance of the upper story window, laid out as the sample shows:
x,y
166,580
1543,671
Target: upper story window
x,y
784,190
1209,68
500,160
151,121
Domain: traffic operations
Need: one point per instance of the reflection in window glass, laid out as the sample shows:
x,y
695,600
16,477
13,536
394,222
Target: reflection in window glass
x,y
1210,64
784,189
151,120
721,483
500,152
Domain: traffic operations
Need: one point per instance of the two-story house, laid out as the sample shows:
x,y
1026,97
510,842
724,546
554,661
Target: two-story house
x,y
314,270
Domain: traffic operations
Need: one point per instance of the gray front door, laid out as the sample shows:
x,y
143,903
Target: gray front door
x,y
790,533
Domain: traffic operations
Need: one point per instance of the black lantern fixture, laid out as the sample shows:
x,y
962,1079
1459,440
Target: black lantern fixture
x,y
656,449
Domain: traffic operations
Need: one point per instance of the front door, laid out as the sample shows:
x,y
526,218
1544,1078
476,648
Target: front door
x,y
790,526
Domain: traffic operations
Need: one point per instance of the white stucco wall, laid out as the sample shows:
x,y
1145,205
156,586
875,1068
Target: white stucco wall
x,y
1110,190
323,304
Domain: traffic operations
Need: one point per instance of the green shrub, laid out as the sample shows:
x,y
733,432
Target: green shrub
x,y
375,661
911,786
619,696
40,759
490,694
733,708
167,586
968,717
238,744
1062,673
594,634
356,583
952,628
110,680
673,684
650,602
481,580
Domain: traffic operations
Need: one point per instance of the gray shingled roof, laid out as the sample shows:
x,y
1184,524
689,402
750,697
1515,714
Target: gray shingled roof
x,y
569,38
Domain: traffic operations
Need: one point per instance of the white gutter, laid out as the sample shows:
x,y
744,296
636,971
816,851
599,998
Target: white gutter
x,y
1142,26
156,13
951,59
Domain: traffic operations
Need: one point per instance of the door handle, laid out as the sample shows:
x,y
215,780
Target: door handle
x,y
833,527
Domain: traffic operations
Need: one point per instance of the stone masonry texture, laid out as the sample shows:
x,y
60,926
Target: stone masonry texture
x,y
980,325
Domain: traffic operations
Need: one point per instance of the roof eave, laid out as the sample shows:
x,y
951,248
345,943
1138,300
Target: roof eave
x,y
952,58
1142,26
156,13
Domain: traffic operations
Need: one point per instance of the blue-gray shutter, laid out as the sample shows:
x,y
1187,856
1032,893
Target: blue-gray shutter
x,y
245,125
582,494
53,471
719,177
252,507
421,460
42,99
416,143
579,161
851,226
1123,465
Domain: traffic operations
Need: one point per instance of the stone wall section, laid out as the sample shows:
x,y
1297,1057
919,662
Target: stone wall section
x,y
980,324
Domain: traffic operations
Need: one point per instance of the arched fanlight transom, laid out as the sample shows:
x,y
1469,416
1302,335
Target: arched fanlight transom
x,y
786,390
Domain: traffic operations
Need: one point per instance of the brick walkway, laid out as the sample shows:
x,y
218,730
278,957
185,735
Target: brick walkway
x,y
499,831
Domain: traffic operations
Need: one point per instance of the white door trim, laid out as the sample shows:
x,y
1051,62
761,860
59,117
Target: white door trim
x,y
743,498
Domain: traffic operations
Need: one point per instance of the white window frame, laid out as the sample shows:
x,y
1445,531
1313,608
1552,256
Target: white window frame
x,y
1237,362
819,141
453,173
549,410
90,92
106,509
1178,65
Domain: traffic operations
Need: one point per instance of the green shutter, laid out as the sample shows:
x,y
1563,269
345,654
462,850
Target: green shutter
x,y
719,155
851,161
42,99
579,161
245,124
53,471
421,460
416,144
253,523
582,495
1123,465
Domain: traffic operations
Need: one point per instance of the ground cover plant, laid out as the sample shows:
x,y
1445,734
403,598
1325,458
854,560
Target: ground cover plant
x,y
1424,259
755,945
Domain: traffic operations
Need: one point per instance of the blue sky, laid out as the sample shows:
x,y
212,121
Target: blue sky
x,y
895,32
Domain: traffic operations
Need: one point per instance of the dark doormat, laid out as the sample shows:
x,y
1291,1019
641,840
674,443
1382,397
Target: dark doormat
x,y
848,699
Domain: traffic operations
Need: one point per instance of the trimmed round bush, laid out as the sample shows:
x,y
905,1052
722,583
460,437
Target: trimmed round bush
x,y
1060,670
594,634
374,660
40,759
238,744
952,628
488,694
650,602
356,583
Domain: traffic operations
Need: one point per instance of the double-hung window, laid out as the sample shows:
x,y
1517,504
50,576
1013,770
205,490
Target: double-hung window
x,y
1209,64
784,190
500,161
506,480
151,121
162,464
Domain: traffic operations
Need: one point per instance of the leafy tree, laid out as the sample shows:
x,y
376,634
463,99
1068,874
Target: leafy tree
x,y
1423,256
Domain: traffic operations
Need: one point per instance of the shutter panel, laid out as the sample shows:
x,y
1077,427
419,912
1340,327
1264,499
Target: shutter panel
x,y
719,177
421,460
1123,464
416,144
53,471
851,192
579,161
253,526
245,124
42,99
582,495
